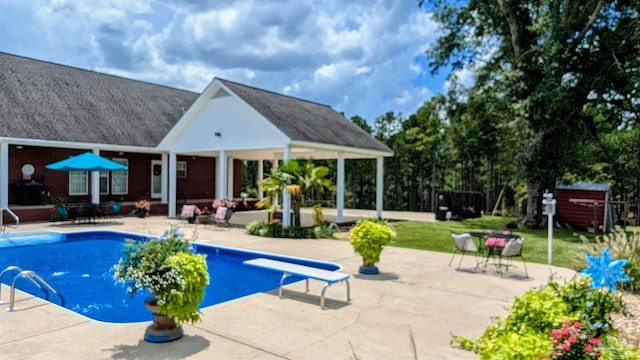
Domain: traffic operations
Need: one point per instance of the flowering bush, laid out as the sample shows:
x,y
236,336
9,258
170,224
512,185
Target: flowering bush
x,y
570,342
168,269
143,205
570,321
230,204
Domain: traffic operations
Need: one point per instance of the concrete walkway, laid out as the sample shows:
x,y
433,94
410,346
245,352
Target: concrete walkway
x,y
417,297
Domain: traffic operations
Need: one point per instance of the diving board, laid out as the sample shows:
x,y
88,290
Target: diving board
x,y
308,272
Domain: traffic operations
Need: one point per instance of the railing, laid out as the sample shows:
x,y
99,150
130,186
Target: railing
x,y
31,275
13,215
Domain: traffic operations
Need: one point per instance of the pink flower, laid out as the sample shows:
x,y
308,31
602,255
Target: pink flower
x,y
572,339
566,347
577,325
588,348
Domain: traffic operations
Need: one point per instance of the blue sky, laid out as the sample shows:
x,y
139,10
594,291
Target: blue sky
x,y
360,57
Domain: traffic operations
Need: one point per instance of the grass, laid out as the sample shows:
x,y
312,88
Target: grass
x,y
568,249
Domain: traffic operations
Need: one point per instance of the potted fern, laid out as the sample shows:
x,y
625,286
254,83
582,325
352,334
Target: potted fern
x,y
368,238
174,276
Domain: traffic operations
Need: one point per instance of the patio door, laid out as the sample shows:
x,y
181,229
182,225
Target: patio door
x,y
156,179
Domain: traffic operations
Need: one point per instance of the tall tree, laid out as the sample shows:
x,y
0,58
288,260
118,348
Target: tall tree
x,y
553,58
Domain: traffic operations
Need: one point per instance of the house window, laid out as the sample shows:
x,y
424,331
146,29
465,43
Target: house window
x,y
181,169
120,179
104,182
78,183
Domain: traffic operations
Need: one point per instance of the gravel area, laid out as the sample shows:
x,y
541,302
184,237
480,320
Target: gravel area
x,y
628,324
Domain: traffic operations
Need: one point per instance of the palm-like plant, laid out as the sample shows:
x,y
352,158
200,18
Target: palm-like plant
x,y
294,178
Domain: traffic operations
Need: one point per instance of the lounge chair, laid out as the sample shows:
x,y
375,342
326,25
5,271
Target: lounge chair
x,y
223,215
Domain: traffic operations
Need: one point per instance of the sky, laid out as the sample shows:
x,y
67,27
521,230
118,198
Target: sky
x,y
361,57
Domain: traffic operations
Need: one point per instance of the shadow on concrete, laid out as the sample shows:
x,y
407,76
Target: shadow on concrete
x,y
383,276
179,349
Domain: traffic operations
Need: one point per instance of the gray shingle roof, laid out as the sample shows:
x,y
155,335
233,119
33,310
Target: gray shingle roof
x,y
303,120
46,101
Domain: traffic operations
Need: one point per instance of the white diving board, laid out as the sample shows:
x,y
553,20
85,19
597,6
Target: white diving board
x,y
308,272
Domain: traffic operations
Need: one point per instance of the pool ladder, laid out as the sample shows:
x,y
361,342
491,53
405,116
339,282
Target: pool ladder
x,y
31,275
3,227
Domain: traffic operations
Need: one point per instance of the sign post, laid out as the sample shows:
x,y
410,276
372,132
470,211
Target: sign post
x,y
549,209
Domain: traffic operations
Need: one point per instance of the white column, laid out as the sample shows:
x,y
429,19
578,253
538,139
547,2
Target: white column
x,y
340,185
230,173
276,200
286,198
173,182
4,174
164,181
260,178
379,186
95,183
221,176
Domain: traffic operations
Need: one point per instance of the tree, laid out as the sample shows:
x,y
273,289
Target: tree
x,y
551,60
296,179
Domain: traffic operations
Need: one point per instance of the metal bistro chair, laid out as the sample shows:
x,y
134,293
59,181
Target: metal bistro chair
x,y
511,250
464,244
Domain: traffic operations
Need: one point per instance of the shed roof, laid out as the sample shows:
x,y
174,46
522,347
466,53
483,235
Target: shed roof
x,y
47,101
585,186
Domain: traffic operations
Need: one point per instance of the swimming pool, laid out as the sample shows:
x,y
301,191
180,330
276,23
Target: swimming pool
x,y
78,265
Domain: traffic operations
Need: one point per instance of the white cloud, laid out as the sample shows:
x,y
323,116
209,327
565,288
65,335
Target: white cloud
x,y
358,57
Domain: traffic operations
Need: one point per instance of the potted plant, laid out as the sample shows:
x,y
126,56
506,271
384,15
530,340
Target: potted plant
x,y
368,238
143,207
173,275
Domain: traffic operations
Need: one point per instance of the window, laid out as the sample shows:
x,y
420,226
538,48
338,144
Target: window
x,y
78,183
181,169
120,179
104,182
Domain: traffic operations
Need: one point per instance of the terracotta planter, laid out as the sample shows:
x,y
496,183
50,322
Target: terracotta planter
x,y
163,329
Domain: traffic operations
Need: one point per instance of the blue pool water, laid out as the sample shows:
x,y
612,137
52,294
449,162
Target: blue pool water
x,y
78,265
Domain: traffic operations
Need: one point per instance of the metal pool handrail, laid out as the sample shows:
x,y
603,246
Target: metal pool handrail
x,y
13,215
31,275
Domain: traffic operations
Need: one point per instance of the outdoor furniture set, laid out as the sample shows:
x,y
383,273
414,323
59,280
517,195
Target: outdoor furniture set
x,y
492,247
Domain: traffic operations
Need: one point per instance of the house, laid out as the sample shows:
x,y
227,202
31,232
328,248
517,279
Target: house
x,y
178,145
583,205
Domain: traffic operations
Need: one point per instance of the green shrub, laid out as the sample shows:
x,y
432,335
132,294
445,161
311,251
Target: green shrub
x,y
275,229
183,302
368,238
525,332
253,228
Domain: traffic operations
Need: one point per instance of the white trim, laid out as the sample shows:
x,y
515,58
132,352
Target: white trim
x,y
221,175
164,182
260,178
78,145
4,174
338,148
286,198
173,184
230,173
95,183
379,186
152,193
340,187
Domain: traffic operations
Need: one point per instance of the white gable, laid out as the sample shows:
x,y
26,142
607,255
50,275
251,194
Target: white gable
x,y
223,122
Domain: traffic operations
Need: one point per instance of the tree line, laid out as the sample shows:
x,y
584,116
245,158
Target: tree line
x,y
555,98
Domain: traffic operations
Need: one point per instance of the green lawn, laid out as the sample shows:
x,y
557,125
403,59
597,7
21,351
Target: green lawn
x,y
568,248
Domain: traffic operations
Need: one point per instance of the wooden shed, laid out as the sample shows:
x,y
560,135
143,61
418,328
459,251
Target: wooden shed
x,y
583,204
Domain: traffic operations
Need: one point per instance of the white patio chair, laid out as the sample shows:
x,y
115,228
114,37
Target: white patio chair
x,y
464,244
512,249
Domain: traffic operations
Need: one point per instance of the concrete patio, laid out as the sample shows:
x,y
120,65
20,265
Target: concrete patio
x,y
417,296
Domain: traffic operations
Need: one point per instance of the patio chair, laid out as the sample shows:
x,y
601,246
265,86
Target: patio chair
x,y
189,213
223,215
464,244
511,250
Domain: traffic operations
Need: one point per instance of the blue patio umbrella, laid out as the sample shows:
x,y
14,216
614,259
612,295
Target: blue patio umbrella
x,y
86,162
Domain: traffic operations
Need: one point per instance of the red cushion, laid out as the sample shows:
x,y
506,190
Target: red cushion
x,y
495,242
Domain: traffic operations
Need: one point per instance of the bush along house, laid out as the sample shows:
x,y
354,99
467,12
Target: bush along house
x,y
179,146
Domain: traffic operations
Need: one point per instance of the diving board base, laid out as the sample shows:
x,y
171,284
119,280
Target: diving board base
x,y
308,272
